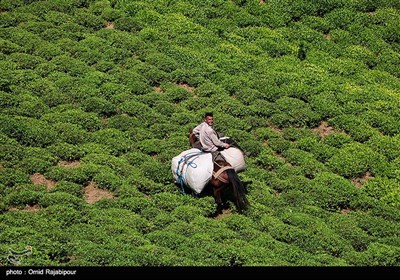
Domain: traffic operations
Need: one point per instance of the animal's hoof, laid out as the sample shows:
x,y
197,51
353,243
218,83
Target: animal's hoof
x,y
220,207
225,206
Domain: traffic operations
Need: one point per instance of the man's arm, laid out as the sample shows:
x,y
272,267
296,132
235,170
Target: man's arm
x,y
213,137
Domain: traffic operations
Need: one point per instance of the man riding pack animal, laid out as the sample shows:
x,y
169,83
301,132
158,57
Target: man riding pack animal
x,y
225,164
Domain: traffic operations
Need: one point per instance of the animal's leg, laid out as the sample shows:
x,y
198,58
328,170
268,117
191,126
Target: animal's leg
x,y
218,200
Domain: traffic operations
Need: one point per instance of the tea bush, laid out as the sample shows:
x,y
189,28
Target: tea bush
x,y
321,151
23,196
308,163
347,228
11,177
87,120
11,151
66,151
81,174
337,140
332,192
27,131
61,198
36,160
354,159
118,142
69,187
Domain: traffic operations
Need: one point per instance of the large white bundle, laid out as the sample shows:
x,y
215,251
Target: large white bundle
x,y
235,158
193,168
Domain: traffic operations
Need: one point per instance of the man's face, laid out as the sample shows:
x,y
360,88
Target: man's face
x,y
209,120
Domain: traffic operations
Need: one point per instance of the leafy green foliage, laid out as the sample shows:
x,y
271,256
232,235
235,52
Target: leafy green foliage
x,y
98,92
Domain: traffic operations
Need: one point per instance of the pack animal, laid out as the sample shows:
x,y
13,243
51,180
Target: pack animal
x,y
224,176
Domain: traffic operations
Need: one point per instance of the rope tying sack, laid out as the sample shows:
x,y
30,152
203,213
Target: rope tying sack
x,y
185,160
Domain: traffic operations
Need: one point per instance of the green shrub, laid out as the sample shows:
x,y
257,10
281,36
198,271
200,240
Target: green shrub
x,y
176,94
326,105
11,151
123,122
265,133
165,108
89,121
70,65
379,254
347,228
145,185
64,215
10,177
144,113
66,151
107,180
294,134
322,152
118,142
383,189
36,160
87,19
25,61
268,160
69,187
27,131
316,23
187,212
358,129
120,165
208,89
24,195
60,198
294,112
168,201
29,106
126,23
8,47
337,140
70,133
310,166
81,174
135,204
135,81
332,192
354,159
99,106
297,198
385,145
151,146
166,239
320,237
387,124
341,18
11,5
287,171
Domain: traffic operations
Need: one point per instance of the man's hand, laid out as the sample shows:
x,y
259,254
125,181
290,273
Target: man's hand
x,y
227,146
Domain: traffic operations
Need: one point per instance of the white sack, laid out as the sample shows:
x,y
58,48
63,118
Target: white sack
x,y
235,158
192,167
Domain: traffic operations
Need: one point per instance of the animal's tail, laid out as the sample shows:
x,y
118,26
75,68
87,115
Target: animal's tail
x,y
239,190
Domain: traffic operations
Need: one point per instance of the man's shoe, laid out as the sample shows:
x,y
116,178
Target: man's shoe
x,y
247,154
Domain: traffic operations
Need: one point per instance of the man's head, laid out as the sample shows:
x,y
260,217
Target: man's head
x,y
209,118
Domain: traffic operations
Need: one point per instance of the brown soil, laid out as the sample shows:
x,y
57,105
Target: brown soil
x,y
94,194
225,212
39,179
323,129
68,163
186,86
359,182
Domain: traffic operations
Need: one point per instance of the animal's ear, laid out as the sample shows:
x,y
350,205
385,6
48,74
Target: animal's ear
x,y
190,130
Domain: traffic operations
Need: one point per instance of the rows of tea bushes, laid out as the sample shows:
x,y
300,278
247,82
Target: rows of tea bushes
x,y
97,97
